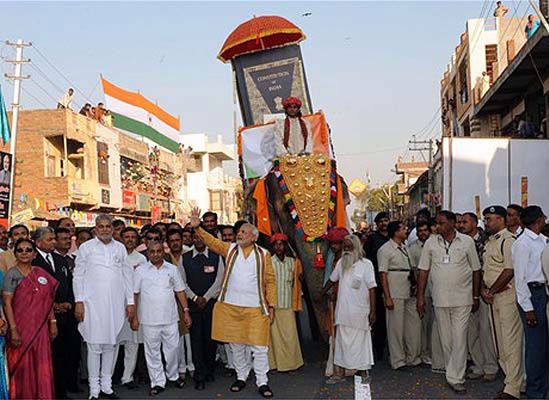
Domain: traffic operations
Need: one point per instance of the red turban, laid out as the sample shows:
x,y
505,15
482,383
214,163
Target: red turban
x,y
291,100
279,236
337,234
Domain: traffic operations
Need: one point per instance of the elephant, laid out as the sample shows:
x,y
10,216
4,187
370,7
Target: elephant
x,y
281,221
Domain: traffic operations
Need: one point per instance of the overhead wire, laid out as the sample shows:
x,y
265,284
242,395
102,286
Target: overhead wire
x,y
31,95
44,90
46,78
41,54
370,152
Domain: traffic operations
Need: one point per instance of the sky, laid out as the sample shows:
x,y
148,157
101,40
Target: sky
x,y
374,68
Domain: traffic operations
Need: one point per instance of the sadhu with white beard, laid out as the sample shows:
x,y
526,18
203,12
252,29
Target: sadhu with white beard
x,y
355,308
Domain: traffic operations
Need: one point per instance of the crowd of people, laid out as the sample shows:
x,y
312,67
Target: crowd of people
x,y
466,300
98,113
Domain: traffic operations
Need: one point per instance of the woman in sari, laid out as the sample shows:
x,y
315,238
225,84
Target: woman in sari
x,y
29,293
3,365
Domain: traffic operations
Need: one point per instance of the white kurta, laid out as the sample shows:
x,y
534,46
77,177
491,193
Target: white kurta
x,y
242,287
353,347
127,335
296,144
103,282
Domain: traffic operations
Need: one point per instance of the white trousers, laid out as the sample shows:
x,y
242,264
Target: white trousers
x,y
230,357
165,339
185,354
452,328
101,359
130,361
242,365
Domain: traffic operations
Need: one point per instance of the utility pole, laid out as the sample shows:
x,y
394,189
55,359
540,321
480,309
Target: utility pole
x,y
17,78
421,146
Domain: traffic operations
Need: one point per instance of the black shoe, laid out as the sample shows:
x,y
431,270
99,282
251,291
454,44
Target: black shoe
x,y
179,383
112,396
200,385
210,378
155,391
131,385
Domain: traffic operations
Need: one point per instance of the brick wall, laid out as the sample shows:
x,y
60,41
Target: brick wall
x,y
30,178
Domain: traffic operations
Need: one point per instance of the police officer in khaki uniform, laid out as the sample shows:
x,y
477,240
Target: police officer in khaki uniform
x,y
499,293
431,349
398,283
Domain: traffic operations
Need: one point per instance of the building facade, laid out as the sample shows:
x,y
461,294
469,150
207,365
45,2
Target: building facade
x,y
209,187
486,48
71,165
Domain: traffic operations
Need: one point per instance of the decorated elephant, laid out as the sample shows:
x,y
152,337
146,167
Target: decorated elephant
x,y
292,211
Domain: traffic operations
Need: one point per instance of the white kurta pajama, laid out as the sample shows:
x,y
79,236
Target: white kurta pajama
x,y
103,282
127,337
159,318
353,343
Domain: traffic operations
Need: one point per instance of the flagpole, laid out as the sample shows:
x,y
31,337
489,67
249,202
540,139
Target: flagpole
x,y
17,77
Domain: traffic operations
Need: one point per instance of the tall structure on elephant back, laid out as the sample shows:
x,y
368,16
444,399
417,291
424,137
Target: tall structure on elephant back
x,y
268,67
294,189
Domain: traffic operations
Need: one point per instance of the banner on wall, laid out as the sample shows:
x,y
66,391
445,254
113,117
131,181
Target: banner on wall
x,y
5,178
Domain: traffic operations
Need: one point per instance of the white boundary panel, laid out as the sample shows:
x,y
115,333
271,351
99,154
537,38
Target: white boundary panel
x,y
475,167
530,158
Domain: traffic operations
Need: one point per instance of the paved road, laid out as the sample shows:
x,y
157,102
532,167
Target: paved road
x,y
308,383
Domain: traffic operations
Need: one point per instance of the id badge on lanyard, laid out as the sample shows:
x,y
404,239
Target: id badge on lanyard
x,y
446,257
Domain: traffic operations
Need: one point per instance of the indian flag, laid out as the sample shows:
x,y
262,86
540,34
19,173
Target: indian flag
x,y
134,113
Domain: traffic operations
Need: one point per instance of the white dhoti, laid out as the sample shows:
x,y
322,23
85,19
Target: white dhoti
x,y
353,348
163,338
242,365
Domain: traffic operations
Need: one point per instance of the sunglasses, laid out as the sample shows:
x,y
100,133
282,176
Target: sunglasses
x,y
24,250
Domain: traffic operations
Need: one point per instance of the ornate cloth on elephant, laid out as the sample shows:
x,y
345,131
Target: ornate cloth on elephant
x,y
309,186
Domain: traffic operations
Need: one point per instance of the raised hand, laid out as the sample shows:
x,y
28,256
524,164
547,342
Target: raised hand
x,y
195,217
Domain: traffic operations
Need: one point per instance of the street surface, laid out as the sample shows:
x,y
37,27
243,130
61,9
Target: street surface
x,y
308,383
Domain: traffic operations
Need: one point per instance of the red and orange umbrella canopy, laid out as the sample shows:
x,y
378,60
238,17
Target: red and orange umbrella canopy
x,y
260,33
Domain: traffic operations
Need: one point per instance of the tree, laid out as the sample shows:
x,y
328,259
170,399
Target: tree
x,y
378,199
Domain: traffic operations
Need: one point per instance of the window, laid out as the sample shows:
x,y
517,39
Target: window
x,y
103,163
50,166
464,87
198,163
216,200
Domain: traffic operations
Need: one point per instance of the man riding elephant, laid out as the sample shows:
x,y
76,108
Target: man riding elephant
x,y
293,133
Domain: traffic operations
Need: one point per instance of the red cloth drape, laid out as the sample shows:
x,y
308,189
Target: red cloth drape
x,y
30,365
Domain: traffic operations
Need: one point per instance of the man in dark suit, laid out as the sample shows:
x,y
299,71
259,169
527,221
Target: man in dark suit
x,y
63,243
203,274
56,266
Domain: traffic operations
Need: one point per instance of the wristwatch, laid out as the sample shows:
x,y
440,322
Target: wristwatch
x,y
186,309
